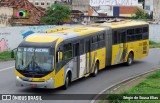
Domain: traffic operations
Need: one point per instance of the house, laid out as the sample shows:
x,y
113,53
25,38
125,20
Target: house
x,y
47,3
24,12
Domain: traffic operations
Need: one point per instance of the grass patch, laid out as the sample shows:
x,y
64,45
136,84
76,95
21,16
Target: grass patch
x,y
154,44
5,56
149,86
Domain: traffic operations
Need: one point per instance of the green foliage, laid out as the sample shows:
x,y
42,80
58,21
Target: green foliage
x,y
5,56
140,14
149,86
56,14
154,44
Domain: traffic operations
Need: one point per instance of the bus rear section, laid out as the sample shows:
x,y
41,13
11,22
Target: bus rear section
x,y
129,40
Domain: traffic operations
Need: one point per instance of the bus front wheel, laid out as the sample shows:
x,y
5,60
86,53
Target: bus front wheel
x,y
130,59
67,82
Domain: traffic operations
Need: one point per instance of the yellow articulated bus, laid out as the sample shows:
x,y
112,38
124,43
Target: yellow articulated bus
x,y
60,56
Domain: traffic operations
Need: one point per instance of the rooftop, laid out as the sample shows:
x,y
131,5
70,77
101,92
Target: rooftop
x,y
34,13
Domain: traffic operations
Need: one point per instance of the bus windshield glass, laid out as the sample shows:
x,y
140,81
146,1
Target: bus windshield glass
x,y
34,60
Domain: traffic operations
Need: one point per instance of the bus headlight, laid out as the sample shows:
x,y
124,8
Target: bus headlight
x,y
50,79
17,77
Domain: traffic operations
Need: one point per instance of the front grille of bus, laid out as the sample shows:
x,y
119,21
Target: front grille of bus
x,y
33,74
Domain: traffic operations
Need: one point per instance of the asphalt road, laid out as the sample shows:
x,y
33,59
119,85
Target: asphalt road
x,y
90,85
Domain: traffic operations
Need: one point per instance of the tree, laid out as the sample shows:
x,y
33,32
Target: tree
x,y
56,14
140,14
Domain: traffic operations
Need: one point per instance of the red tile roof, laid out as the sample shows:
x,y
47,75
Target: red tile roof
x,y
35,12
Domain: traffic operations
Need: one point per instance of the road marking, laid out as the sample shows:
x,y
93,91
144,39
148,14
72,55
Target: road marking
x,y
7,68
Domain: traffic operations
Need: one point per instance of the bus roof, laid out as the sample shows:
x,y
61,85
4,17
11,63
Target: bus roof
x,y
62,33
82,30
121,24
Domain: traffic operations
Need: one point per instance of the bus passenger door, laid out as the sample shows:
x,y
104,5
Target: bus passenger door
x,y
88,55
123,45
119,45
76,61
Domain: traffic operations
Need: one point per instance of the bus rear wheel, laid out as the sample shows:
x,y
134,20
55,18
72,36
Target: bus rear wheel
x,y
130,59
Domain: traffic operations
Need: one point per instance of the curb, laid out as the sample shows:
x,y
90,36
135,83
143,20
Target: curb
x,y
128,79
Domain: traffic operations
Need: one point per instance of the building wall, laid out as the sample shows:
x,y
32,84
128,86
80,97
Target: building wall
x,y
81,5
148,6
108,9
11,37
5,15
156,10
128,11
44,3
154,32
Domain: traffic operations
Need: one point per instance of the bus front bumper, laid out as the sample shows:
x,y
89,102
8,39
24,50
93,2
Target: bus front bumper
x,y
46,84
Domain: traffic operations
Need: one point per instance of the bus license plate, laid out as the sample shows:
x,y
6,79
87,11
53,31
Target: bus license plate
x,y
33,85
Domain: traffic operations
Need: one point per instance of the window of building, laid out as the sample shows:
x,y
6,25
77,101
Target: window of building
x,y
36,3
48,3
42,3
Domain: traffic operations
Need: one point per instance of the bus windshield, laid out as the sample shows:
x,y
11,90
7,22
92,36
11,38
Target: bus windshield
x,y
34,60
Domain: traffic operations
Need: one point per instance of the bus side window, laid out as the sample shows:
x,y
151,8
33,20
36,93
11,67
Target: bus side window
x,y
130,31
115,36
145,29
59,50
94,39
101,37
101,42
130,35
139,30
81,47
94,44
57,57
145,33
67,52
87,46
123,37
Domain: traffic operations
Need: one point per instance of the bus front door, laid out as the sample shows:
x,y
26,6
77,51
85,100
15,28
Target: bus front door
x,y
76,60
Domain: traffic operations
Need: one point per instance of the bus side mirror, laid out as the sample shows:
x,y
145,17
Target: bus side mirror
x,y
12,54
